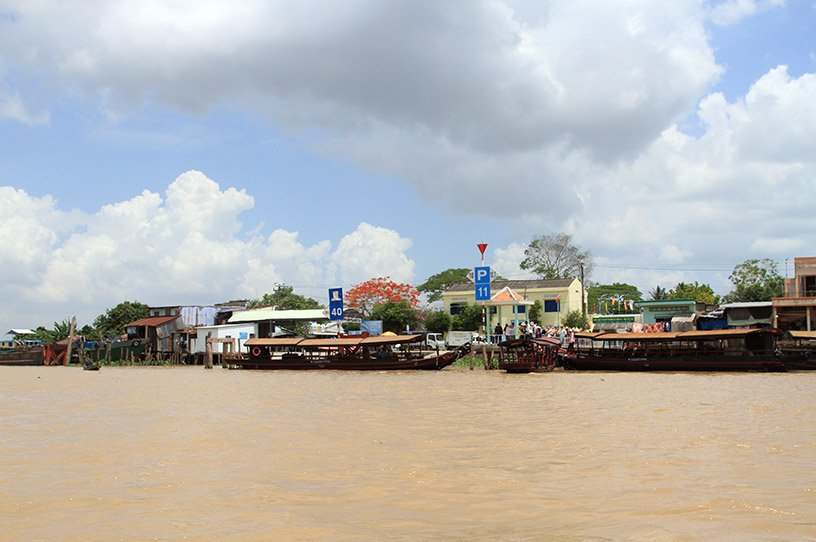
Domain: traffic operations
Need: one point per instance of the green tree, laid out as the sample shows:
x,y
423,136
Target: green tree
x,y
438,283
555,257
47,336
396,315
658,293
535,311
756,280
114,320
286,300
575,319
702,293
600,295
438,322
468,319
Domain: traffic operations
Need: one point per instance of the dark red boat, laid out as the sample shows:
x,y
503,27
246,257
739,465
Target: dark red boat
x,y
714,350
386,352
528,355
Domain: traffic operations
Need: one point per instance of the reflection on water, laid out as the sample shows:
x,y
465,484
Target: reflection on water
x,y
185,453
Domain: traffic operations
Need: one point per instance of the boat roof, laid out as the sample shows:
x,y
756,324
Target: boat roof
x,y
674,335
803,334
381,340
543,341
280,341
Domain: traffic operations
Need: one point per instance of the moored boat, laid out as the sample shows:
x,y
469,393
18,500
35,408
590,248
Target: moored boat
x,y
712,350
22,354
386,352
799,348
528,355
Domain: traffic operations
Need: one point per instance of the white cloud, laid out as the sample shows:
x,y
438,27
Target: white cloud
x,y
13,107
506,262
555,116
733,11
185,247
370,252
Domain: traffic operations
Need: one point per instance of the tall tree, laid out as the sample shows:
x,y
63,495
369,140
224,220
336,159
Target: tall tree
x,y
702,293
438,322
756,280
396,315
285,299
365,296
438,283
114,320
658,293
468,319
555,257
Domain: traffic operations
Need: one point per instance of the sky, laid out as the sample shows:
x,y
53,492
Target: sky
x,y
193,152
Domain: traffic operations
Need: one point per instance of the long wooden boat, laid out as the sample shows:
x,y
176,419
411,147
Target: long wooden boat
x,y
22,355
799,348
387,352
714,350
528,355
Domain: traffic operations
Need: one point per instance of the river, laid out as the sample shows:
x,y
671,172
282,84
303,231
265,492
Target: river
x,y
184,453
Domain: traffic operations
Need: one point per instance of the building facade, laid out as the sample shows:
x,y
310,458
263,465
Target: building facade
x,y
558,298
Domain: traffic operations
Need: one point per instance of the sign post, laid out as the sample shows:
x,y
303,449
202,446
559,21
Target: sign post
x,y
335,303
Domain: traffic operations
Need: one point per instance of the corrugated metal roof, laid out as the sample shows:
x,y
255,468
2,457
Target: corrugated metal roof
x,y
153,321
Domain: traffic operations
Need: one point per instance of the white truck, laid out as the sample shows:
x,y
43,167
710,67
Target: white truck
x,y
458,338
435,340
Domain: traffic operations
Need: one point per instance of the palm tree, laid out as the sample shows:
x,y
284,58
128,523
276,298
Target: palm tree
x,y
659,293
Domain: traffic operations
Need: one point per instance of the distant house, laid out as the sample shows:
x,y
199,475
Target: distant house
x,y
201,315
157,330
797,310
558,298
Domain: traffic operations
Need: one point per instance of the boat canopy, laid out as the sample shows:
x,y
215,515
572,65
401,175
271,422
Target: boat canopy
x,y
677,335
346,342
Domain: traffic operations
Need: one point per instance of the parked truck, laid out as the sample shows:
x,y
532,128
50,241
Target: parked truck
x,y
459,338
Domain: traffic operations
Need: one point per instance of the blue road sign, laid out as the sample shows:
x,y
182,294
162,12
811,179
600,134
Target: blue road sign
x,y
481,276
483,292
335,303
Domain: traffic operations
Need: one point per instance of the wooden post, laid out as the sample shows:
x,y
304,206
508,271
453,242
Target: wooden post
x,y
209,364
107,352
488,363
71,331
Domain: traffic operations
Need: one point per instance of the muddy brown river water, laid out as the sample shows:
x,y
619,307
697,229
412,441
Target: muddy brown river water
x,y
182,453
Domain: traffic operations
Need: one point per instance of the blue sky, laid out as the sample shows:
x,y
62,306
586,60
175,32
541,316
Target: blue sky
x,y
195,152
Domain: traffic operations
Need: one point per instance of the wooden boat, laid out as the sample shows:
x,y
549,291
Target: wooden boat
x,y
392,352
91,367
22,354
714,350
799,348
528,355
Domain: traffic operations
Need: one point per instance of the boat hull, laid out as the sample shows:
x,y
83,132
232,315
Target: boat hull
x,y
346,364
735,363
22,357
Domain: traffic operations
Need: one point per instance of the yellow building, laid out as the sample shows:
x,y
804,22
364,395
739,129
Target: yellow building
x,y
558,298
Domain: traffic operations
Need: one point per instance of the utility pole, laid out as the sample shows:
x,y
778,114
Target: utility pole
x,y
583,304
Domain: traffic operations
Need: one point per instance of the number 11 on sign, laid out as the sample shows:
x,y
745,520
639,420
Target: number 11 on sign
x,y
483,292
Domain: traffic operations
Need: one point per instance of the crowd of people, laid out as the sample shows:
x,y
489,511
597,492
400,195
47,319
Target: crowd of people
x,y
531,330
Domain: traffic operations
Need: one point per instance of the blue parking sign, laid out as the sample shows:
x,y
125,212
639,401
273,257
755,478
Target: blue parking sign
x,y
481,276
483,292
335,303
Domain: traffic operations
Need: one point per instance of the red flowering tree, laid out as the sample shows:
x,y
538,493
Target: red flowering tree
x,y
365,296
